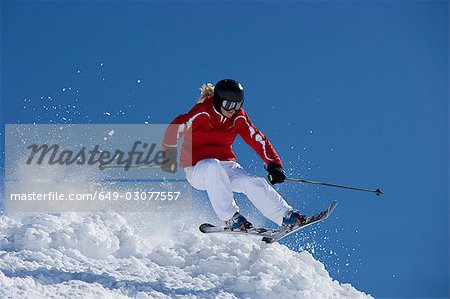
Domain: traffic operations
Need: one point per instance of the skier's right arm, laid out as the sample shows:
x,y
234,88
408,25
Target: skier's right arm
x,y
196,117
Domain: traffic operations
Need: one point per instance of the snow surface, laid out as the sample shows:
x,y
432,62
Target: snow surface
x,y
110,255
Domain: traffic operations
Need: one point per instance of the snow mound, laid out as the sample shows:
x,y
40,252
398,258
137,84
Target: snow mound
x,y
108,255
95,236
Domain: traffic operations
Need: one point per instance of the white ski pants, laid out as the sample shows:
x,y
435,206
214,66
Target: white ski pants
x,y
221,178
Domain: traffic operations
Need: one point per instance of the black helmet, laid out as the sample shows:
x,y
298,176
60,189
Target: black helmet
x,y
228,94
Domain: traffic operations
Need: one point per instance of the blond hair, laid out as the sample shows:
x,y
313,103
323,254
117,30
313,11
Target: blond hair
x,y
207,90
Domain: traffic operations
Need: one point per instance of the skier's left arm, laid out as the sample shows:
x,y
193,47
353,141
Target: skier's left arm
x,y
262,146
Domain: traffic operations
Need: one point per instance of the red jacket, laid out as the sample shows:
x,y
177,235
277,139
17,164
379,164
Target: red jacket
x,y
211,135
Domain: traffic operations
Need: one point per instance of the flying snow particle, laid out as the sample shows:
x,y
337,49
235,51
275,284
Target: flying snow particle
x,y
110,133
138,81
107,113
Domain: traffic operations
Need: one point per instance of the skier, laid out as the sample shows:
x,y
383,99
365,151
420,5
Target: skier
x,y
210,164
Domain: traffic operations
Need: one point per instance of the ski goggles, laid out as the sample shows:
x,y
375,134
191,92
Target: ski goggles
x,y
231,105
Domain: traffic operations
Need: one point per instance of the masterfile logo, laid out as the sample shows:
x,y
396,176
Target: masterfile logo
x,y
70,168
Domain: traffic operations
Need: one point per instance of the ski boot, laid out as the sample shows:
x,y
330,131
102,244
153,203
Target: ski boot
x,y
238,222
293,217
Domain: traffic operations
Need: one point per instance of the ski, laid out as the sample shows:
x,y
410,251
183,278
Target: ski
x,y
270,235
286,231
257,231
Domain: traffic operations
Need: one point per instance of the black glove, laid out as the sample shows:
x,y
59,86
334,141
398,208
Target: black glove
x,y
170,160
276,173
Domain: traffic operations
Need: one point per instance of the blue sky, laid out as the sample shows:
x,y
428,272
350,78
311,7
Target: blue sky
x,y
348,92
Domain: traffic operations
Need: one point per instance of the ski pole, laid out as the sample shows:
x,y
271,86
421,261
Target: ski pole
x,y
376,191
103,167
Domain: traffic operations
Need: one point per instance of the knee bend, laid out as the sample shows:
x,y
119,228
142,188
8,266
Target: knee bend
x,y
258,182
254,184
